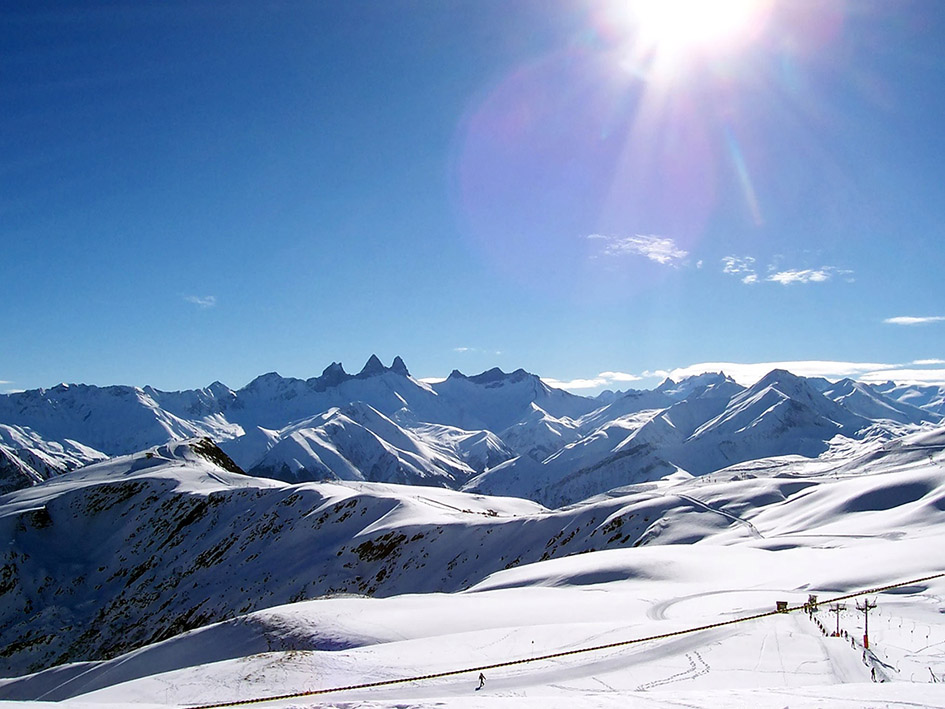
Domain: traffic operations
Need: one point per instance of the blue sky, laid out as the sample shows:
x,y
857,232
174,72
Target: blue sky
x,y
199,191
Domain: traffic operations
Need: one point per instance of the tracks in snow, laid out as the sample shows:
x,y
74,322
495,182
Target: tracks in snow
x,y
728,515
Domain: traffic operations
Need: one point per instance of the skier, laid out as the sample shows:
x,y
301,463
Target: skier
x,y
482,681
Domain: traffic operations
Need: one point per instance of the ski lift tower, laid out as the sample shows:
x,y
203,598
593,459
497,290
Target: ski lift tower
x,y
866,608
836,608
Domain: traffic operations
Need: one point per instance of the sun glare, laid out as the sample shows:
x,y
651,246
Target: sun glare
x,y
670,32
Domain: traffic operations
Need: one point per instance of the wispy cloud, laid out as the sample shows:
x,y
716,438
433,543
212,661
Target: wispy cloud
x,y
808,275
619,377
928,362
571,384
660,249
476,350
745,269
202,301
741,266
4,383
912,320
601,381
906,375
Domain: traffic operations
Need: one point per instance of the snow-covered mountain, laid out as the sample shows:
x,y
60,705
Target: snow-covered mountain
x,y
493,432
496,401
867,401
357,442
713,423
928,397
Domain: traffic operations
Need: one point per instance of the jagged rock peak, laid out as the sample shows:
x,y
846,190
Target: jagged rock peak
x,y
398,367
333,375
373,367
334,372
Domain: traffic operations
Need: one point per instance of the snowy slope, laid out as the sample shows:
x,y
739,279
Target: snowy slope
x,y
168,540
165,541
495,400
357,442
928,397
538,435
863,400
15,473
115,420
716,424
755,533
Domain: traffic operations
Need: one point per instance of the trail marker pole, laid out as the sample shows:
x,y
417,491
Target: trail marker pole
x,y
866,608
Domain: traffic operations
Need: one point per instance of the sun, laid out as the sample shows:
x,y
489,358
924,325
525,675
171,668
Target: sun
x,y
671,33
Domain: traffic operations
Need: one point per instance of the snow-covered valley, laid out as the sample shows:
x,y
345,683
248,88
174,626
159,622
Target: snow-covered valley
x,y
166,576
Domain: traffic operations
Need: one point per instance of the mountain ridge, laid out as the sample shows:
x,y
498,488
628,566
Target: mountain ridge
x,y
697,425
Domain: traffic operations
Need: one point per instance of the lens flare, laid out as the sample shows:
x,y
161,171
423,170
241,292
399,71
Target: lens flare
x,y
671,36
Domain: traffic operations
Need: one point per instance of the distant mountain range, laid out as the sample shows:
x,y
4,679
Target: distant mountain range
x,y
495,432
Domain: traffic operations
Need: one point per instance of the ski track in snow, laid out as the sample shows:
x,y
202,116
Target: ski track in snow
x,y
728,515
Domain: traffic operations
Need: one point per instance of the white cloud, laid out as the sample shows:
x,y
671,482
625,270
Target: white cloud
x,y
747,374
927,362
906,376
655,374
601,381
432,380
809,275
738,264
619,377
798,276
575,383
744,268
202,301
659,249
910,320
477,350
